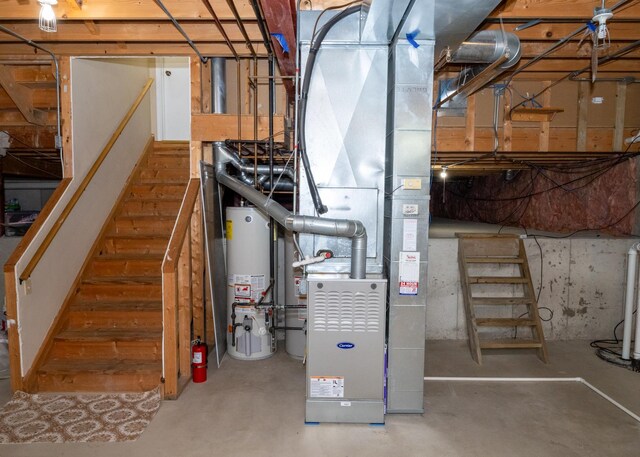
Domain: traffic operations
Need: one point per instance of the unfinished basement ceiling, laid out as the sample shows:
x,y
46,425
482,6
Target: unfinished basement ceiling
x,y
231,28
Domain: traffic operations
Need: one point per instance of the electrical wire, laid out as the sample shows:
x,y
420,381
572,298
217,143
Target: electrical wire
x,y
609,346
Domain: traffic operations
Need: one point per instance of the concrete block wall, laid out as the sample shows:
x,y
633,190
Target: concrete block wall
x,y
583,283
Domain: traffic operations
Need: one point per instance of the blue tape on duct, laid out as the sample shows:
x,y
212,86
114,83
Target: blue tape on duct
x,y
411,38
282,41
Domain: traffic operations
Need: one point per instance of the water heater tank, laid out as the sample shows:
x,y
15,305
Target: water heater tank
x,y
248,235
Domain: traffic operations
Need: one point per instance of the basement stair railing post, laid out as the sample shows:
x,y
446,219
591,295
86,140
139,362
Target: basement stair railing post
x,y
177,295
26,274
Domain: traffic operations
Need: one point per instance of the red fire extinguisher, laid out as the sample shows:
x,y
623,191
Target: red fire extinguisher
x,y
199,360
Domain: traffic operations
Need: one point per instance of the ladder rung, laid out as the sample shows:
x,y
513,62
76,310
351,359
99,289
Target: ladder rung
x,y
497,280
504,322
510,344
493,260
501,301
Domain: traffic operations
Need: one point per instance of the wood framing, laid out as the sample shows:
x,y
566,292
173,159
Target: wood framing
x,y
22,96
219,127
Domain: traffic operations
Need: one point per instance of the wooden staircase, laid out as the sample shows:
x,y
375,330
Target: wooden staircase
x,y
484,293
109,337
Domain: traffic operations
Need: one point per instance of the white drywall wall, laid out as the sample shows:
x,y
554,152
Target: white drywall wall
x,y
583,282
102,91
173,98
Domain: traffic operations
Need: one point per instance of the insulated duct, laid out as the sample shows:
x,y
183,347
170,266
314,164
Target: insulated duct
x,y
493,52
303,224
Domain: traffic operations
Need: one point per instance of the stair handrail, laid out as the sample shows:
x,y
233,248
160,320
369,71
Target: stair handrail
x,y
177,281
57,225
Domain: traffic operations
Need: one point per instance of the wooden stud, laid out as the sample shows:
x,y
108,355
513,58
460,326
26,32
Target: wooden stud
x,y
470,130
621,102
507,128
66,115
545,126
170,319
583,107
185,299
197,265
196,109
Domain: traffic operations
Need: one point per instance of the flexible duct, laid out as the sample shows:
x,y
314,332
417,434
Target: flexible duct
x,y
303,224
493,52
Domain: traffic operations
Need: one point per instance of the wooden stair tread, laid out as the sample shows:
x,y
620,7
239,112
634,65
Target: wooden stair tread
x,y
504,322
116,280
510,344
129,256
498,250
100,335
101,366
501,301
497,280
481,259
118,306
136,236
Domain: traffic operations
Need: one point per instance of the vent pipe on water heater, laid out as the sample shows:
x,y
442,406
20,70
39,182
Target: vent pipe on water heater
x,y
303,224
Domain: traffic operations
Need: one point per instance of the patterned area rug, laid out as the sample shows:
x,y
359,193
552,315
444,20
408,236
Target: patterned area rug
x,y
67,418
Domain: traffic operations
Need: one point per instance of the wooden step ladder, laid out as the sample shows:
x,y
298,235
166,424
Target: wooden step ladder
x,y
484,291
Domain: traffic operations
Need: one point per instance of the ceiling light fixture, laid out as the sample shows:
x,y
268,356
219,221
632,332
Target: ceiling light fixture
x,y
47,19
601,39
443,173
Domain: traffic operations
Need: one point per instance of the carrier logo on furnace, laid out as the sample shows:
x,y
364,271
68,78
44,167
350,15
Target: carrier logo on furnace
x,y
345,345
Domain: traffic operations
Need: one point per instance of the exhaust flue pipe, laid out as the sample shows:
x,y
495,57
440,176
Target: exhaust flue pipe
x,y
302,224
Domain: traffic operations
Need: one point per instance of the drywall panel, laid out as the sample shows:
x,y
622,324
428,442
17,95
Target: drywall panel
x,y
582,285
103,90
173,98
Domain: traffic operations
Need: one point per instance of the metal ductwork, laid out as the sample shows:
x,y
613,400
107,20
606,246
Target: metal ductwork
x,y
249,171
219,85
492,51
352,229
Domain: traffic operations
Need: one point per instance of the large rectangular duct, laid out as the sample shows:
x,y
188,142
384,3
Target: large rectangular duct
x,y
368,140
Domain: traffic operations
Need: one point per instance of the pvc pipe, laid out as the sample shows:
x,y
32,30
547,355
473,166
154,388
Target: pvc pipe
x,y
499,379
308,261
636,345
632,256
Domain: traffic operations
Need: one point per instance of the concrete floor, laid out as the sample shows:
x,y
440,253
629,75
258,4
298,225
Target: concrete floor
x,y
257,409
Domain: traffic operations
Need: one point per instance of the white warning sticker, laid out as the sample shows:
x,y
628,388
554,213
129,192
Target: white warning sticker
x,y
326,386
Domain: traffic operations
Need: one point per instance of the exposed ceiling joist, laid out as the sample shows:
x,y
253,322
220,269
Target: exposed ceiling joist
x,y
21,96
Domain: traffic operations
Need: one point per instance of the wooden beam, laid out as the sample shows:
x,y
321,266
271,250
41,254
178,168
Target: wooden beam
x,y
280,18
130,9
196,108
185,298
132,49
21,96
74,4
583,107
561,9
197,274
571,50
598,139
621,102
159,31
553,31
41,98
219,127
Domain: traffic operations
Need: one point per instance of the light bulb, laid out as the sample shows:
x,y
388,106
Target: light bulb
x,y
47,19
443,173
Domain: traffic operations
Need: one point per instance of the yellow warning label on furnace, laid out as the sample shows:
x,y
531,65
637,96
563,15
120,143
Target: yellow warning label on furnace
x,y
229,230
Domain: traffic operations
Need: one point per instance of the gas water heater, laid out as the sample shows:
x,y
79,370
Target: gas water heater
x,y
247,233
